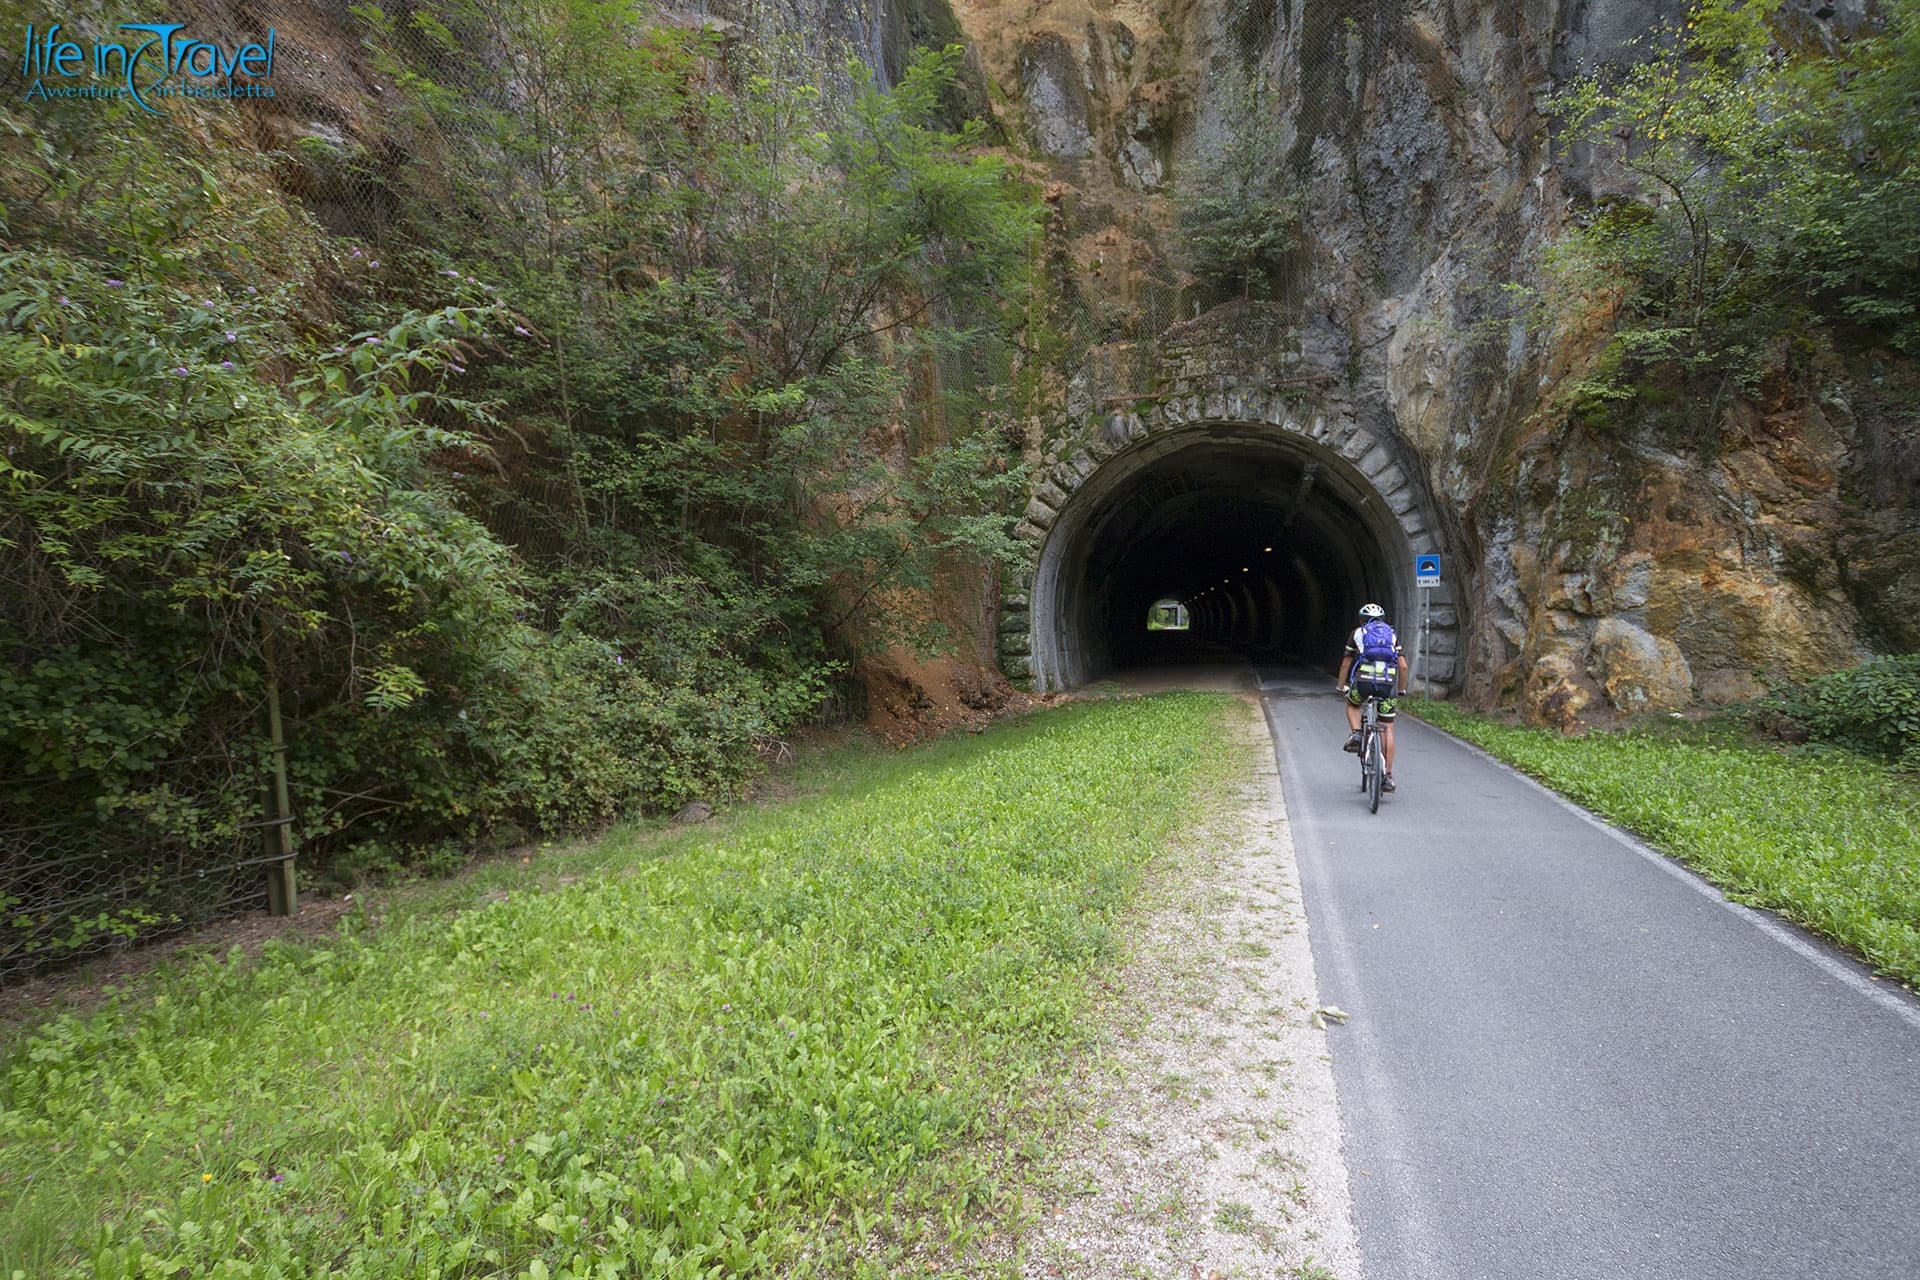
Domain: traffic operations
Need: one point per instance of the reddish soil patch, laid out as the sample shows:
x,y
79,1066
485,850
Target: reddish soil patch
x,y
910,699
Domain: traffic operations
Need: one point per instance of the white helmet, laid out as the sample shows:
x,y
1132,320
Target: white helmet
x,y
1372,611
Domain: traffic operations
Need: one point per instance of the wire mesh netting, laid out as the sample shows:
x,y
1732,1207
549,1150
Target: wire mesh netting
x,y
179,844
1293,122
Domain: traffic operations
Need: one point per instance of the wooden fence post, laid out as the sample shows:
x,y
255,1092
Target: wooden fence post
x,y
283,894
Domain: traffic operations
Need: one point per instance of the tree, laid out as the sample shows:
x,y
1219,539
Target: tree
x,y
1237,219
1778,183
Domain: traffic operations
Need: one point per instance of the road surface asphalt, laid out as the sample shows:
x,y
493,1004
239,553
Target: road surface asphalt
x,y
1570,1058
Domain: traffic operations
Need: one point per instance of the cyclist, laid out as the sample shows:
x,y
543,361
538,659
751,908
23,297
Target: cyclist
x,y
1378,667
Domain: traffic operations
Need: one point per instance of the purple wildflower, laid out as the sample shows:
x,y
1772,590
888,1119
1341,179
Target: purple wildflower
x,y
278,1177
180,372
338,348
63,299
356,253
114,284
374,263
373,342
251,289
458,368
226,364
232,336
454,274
521,330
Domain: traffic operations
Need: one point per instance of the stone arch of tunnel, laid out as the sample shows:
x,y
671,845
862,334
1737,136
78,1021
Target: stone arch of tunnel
x,y
1186,505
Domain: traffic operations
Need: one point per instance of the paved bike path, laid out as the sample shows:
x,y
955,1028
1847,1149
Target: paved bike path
x,y
1569,1059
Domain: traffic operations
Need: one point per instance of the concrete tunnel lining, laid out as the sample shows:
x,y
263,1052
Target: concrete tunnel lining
x,y
1181,504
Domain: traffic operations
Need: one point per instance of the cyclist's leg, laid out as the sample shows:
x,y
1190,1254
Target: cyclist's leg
x,y
1353,708
1387,709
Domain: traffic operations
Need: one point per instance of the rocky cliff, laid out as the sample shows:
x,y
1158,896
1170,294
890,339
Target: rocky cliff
x,y
1632,570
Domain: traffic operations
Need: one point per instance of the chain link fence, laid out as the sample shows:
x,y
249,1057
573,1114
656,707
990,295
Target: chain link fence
x,y
89,866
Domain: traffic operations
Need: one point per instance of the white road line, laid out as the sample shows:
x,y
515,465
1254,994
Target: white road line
x,y
1893,999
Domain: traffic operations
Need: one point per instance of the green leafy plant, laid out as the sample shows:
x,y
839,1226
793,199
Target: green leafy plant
x,y
582,539
1238,218
735,294
187,530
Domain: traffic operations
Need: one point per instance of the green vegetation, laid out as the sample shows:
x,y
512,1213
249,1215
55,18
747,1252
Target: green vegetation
x,y
1873,709
1167,615
795,1042
1779,190
1828,839
554,476
1238,216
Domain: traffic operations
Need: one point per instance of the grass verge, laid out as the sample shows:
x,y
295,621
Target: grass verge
x,y
1824,838
787,1043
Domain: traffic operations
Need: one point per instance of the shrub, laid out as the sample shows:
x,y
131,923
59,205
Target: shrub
x,y
198,504
1873,708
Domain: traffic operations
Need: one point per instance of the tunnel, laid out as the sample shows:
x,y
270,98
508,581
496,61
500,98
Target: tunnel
x,y
1273,541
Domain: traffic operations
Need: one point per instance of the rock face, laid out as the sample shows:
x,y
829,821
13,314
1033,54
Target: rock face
x,y
1638,671
1610,572
1054,88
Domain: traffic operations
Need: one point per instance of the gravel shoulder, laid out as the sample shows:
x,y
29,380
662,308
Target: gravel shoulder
x,y
1208,1140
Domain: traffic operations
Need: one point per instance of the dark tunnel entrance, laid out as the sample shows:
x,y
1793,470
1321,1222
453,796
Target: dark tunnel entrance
x,y
1272,541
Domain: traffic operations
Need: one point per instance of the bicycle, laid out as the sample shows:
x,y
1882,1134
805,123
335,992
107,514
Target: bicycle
x,y
1373,765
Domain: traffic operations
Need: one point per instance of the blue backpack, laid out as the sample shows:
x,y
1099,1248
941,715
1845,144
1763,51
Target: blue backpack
x,y
1376,672
1378,643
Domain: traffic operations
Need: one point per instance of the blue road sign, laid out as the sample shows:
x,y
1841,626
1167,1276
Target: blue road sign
x,y
1426,570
